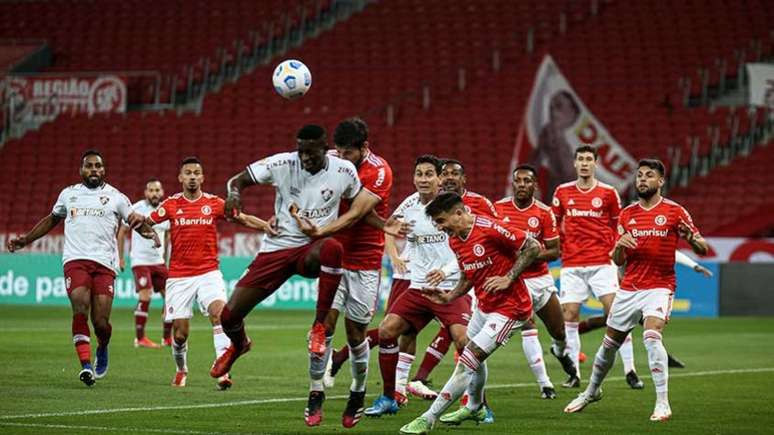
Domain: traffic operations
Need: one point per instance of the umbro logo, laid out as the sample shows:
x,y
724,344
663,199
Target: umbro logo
x,y
179,211
631,222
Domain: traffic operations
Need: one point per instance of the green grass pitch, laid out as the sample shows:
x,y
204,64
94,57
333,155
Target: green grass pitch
x,y
726,388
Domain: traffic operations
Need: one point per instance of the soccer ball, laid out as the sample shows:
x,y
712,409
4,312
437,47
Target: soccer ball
x,y
292,79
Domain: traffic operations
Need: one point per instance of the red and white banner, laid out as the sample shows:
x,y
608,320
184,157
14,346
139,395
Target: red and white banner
x,y
554,124
43,98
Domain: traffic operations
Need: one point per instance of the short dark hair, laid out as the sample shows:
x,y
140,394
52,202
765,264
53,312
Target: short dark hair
x,y
654,164
91,152
152,180
431,159
189,160
311,132
351,133
444,202
586,149
453,162
526,167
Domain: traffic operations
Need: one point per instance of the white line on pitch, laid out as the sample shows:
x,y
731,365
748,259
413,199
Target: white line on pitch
x,y
193,328
112,429
301,399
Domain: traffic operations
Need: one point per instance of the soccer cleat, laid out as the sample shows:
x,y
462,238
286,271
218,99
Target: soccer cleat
x,y
401,399
420,389
662,412
101,362
567,364
146,342
464,414
354,410
582,400
87,375
548,393
674,363
166,342
317,339
179,379
581,357
634,381
313,414
224,382
418,426
223,364
382,405
489,419
572,382
329,379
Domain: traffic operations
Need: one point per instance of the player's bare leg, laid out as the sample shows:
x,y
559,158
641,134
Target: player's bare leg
x,y
220,339
571,314
80,301
659,366
101,306
551,315
141,318
533,351
626,350
180,331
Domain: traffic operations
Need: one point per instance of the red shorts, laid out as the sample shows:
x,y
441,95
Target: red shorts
x,y
154,276
270,270
399,286
90,274
418,311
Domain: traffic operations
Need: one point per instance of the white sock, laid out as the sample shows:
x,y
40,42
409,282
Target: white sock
x,y
573,343
534,353
402,371
358,357
455,386
475,388
627,354
657,360
603,360
180,354
220,340
317,366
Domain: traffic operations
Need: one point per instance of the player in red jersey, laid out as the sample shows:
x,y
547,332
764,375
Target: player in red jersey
x,y
526,213
649,231
587,213
358,292
453,180
492,259
194,275
92,211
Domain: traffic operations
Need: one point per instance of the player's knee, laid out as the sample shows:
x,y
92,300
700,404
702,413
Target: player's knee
x,y
387,333
181,336
331,252
100,324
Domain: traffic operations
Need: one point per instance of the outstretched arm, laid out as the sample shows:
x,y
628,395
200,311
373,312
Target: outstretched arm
x,y
39,230
551,251
256,223
234,188
444,297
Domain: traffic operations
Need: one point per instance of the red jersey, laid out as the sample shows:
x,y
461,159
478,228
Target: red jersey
x,y
490,250
193,233
364,244
478,204
587,221
652,264
537,220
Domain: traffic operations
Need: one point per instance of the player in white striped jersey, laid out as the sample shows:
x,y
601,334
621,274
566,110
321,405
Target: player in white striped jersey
x,y
92,212
149,265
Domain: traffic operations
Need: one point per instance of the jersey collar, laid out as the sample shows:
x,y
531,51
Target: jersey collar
x,y
596,183
660,200
513,201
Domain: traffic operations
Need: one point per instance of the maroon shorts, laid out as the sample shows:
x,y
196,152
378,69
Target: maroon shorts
x,y
90,274
399,286
270,270
418,311
154,276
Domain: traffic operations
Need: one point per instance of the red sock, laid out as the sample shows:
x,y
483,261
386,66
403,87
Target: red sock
x,y
103,335
81,338
434,354
331,252
234,327
140,318
388,362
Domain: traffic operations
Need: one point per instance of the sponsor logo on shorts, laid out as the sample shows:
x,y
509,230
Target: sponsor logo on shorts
x,y
596,202
660,219
479,250
143,281
170,310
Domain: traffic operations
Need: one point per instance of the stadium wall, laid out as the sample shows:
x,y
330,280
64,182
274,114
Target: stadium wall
x,y
746,289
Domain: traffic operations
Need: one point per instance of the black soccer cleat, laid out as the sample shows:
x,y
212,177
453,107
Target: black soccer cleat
x,y
87,377
313,413
354,410
567,365
548,393
634,381
572,382
674,362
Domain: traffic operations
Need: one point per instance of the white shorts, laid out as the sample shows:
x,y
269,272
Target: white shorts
x,y
631,306
491,330
182,292
580,283
358,294
541,288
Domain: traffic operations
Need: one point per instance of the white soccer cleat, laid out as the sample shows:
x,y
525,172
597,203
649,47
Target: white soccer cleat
x,y
662,412
419,389
582,400
328,380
